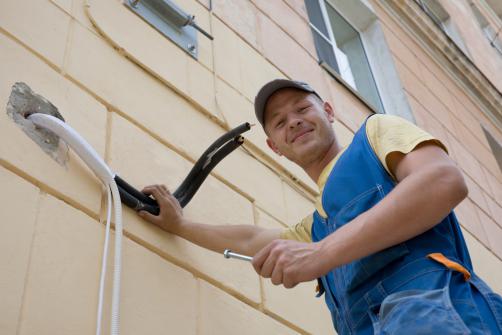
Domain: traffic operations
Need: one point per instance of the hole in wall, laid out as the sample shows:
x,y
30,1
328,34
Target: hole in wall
x,y
22,103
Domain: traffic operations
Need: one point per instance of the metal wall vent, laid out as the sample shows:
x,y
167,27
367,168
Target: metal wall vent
x,y
171,21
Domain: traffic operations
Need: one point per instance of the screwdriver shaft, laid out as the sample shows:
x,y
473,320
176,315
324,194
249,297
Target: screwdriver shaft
x,y
229,254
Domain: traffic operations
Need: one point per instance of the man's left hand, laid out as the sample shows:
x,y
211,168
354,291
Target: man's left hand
x,y
289,262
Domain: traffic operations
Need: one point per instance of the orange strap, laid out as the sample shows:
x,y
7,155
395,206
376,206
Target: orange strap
x,y
440,258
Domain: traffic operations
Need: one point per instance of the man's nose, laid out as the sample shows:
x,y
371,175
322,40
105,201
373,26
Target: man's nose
x,y
295,122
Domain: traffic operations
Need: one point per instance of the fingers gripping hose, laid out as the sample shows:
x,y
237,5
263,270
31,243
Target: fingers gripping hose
x,y
103,172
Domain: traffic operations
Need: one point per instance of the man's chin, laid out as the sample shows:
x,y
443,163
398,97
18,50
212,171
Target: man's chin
x,y
303,156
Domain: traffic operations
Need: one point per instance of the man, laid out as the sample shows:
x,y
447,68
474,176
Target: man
x,y
383,241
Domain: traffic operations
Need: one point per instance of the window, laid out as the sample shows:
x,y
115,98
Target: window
x,y
340,50
442,19
490,33
351,46
495,146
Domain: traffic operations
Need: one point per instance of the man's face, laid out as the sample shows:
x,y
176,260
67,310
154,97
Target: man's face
x,y
298,125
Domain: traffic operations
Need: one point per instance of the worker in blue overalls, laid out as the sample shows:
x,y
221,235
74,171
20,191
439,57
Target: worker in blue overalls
x,y
383,242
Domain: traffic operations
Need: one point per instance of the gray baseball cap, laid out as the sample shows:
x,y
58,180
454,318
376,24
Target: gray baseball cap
x,y
260,101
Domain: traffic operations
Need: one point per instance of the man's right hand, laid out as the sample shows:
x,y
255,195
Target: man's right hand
x,y
170,217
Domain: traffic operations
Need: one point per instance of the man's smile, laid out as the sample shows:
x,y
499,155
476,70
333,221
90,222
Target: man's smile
x,y
300,134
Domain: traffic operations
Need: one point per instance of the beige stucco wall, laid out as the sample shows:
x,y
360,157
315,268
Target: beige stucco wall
x,y
151,110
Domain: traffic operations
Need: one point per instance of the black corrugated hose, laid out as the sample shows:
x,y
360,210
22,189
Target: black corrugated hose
x,y
220,148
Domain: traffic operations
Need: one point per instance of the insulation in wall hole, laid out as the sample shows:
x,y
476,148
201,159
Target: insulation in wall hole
x,y
23,102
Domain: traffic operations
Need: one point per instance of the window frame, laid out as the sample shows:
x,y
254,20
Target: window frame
x,y
361,16
337,72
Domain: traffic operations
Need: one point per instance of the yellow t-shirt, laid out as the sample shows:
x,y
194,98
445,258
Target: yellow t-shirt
x,y
386,134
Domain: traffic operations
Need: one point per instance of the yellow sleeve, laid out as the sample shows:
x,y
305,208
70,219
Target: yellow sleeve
x,y
301,232
389,133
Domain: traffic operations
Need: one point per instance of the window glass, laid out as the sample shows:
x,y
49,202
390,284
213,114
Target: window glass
x,y
315,16
325,52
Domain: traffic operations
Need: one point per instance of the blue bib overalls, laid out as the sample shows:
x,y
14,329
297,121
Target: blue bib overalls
x,y
398,290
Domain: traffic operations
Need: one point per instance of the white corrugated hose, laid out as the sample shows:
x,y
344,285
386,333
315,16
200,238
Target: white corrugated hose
x,y
103,172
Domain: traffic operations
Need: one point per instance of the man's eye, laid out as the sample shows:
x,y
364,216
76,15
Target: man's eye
x,y
279,124
303,109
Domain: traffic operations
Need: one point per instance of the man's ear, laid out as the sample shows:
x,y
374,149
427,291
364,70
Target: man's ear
x,y
272,146
330,112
